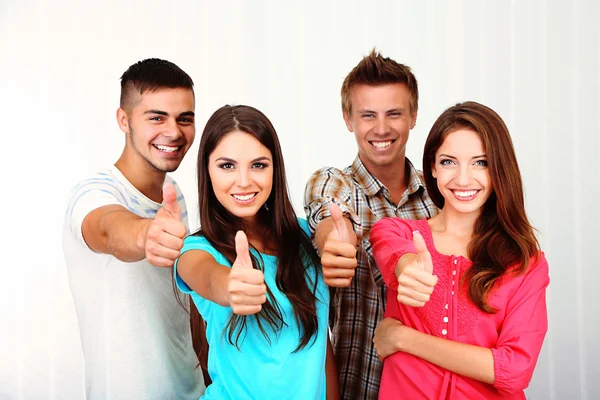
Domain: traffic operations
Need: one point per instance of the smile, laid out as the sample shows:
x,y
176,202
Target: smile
x,y
244,198
166,149
465,195
382,145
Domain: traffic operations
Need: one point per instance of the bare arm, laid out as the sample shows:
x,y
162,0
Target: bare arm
x,y
114,230
240,287
204,275
325,227
464,359
333,390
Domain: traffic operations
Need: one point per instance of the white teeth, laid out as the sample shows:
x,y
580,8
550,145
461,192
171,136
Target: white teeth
x,y
464,193
382,145
244,197
168,149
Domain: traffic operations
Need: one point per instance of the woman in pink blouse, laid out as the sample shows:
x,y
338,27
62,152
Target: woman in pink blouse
x,y
466,302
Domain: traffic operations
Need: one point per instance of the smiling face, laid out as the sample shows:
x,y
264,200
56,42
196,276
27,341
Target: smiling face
x,y
462,174
381,119
241,172
160,127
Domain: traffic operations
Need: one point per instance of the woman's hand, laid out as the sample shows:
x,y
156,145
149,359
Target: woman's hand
x,y
387,339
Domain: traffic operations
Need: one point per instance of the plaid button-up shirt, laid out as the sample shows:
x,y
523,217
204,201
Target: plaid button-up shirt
x,y
356,310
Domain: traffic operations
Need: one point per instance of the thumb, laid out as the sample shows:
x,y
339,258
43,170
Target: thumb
x,y
242,251
170,203
338,221
422,253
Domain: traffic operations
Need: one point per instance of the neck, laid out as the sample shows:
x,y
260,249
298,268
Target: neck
x,y
142,176
394,177
455,223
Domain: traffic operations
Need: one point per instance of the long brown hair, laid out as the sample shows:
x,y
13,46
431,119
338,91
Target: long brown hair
x,y
295,252
502,237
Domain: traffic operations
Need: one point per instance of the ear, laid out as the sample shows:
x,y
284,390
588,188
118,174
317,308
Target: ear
x,y
433,171
348,121
123,120
413,117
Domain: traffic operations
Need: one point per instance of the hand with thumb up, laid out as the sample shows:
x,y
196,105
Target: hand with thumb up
x,y
165,233
246,289
415,275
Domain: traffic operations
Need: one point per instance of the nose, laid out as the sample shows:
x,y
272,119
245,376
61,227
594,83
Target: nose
x,y
463,177
172,130
243,178
381,126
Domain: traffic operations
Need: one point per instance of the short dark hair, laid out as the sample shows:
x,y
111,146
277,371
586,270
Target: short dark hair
x,y
149,75
377,70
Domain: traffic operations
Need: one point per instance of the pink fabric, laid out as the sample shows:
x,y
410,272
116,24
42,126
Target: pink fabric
x,y
514,334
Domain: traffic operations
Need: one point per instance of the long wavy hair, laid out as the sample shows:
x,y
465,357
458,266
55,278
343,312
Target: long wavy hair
x,y
503,237
296,255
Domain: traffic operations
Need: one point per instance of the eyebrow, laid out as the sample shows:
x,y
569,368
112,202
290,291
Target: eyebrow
x,y
364,110
454,158
231,160
166,114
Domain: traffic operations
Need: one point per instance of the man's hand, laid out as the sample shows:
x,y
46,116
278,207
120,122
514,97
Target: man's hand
x,y
339,254
165,234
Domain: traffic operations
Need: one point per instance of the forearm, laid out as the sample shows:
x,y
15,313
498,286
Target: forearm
x,y
324,228
403,262
333,390
204,276
123,235
464,359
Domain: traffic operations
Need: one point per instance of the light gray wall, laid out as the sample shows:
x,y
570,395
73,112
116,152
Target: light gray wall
x,y
535,62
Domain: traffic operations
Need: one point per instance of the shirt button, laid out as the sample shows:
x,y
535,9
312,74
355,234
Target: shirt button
x,y
455,261
446,306
453,293
454,272
452,283
446,319
444,332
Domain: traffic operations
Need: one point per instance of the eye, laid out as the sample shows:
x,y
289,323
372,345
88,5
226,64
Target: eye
x,y
156,118
395,114
186,120
481,163
259,165
226,166
446,161
368,115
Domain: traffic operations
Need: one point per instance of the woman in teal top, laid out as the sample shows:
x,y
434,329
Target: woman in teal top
x,y
252,271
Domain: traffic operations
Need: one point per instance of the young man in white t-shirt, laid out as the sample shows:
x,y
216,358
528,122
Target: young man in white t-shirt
x,y
123,230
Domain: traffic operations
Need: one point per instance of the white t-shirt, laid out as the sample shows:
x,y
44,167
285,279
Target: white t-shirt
x,y
135,335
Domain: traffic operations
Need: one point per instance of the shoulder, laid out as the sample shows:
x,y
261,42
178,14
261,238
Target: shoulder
x,y
400,225
328,175
199,242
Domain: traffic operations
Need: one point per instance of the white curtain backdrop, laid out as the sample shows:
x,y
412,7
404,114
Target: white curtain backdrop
x,y
535,62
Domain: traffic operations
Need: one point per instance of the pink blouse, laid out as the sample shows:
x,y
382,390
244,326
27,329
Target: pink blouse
x,y
514,334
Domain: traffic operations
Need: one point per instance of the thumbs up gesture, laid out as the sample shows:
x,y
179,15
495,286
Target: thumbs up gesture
x,y
339,251
415,276
246,289
165,234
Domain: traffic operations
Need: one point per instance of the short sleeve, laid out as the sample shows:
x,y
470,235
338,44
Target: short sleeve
x,y
390,239
523,331
89,195
326,186
196,243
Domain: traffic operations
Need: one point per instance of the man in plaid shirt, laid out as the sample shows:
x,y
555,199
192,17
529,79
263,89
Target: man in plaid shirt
x,y
379,104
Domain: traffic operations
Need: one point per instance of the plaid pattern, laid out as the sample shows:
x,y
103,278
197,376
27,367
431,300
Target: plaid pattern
x,y
356,310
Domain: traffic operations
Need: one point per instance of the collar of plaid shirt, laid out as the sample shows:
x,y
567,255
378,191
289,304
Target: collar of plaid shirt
x,y
370,185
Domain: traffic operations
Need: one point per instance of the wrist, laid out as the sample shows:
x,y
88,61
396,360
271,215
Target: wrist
x,y
142,236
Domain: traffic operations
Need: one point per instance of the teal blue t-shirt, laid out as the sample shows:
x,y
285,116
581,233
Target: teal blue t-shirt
x,y
259,370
